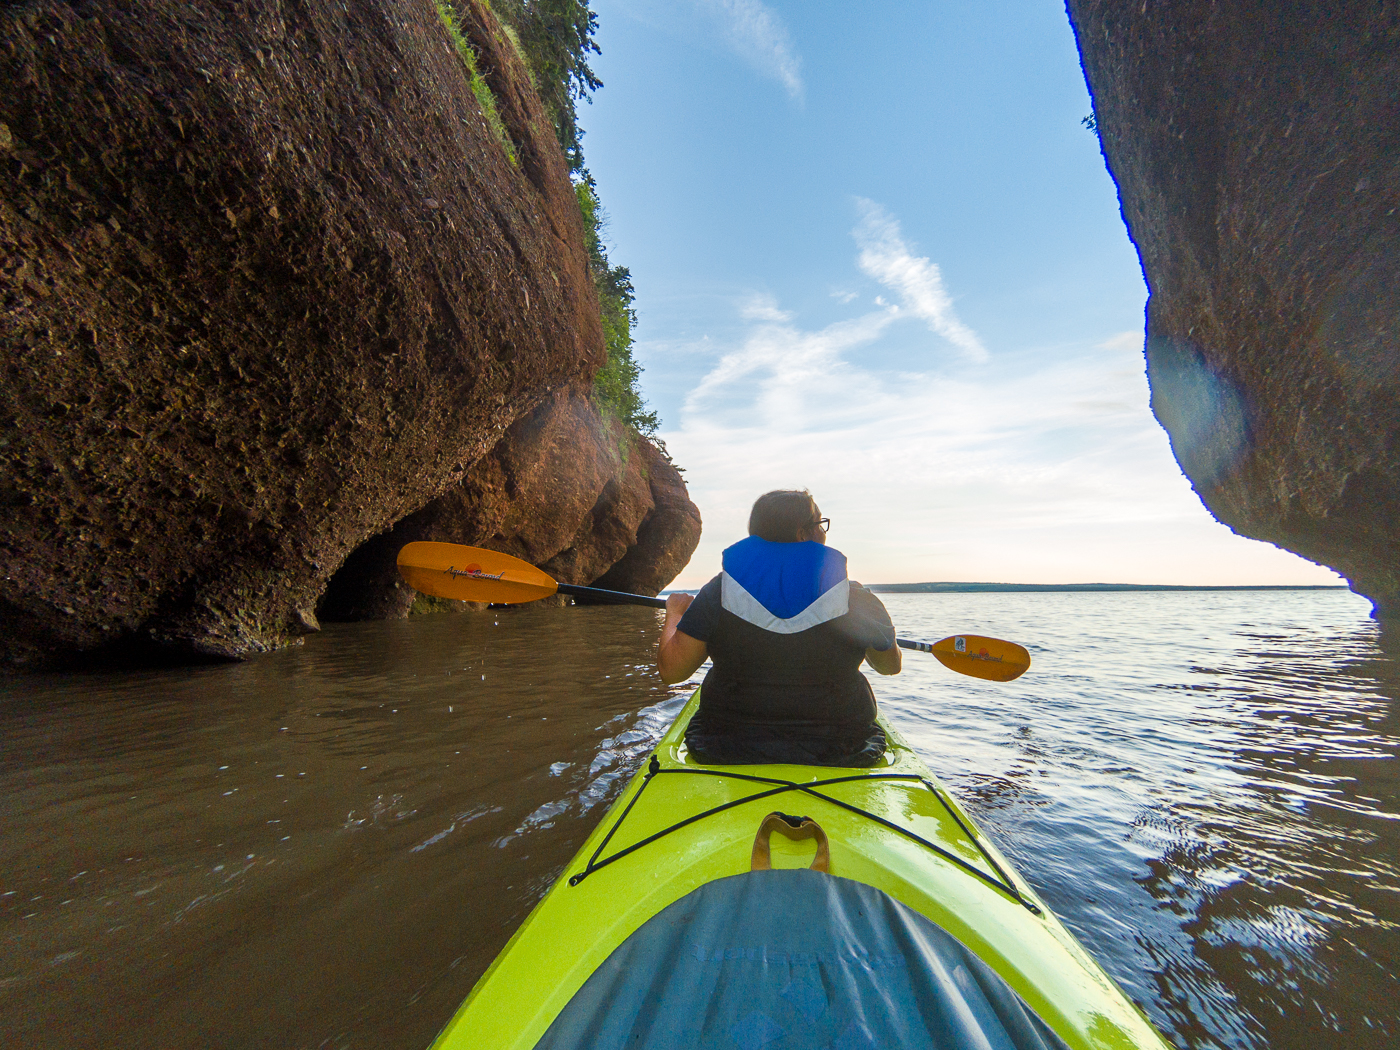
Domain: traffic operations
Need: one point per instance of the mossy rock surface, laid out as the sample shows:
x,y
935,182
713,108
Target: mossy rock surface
x,y
270,284
1257,155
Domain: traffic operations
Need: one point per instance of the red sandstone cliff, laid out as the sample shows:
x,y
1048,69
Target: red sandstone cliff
x,y
270,284
1256,148
585,499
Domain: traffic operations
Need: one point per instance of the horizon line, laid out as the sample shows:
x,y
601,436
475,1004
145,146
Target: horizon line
x,y
955,587
969,586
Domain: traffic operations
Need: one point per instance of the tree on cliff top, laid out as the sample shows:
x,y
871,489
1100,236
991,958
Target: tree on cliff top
x,y
615,385
556,37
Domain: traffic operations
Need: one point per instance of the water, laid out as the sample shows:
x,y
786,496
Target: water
x,y
1203,786
325,847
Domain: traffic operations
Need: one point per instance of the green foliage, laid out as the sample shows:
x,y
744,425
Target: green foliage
x,y
615,387
479,87
556,38
515,44
1091,122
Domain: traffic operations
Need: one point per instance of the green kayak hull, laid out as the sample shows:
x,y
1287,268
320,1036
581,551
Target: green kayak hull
x,y
892,826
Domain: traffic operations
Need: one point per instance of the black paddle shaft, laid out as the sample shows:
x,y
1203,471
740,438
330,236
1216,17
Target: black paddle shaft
x,y
597,594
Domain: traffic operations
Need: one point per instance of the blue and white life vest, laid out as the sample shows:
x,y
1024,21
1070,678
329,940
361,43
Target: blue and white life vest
x,y
784,587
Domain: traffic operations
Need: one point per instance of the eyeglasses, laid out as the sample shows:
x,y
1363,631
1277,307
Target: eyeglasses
x,y
825,523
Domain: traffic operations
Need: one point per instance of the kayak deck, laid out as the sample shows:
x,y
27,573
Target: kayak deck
x,y
680,825
984,866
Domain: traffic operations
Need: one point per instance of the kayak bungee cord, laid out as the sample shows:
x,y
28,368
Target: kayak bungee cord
x,y
654,768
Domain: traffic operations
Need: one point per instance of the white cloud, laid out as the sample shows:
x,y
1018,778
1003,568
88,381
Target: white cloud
x,y
762,307
1044,465
1123,341
758,35
886,257
790,379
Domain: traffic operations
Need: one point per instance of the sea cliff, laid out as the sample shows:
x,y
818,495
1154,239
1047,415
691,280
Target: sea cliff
x,y
1257,155
274,280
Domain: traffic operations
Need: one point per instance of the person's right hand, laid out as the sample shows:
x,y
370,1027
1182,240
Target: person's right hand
x,y
677,654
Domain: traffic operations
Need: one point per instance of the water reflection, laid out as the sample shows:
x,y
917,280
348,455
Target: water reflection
x,y
1214,814
321,847
1288,887
325,847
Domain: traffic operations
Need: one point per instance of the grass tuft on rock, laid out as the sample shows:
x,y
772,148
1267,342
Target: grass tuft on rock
x,y
480,88
555,38
615,389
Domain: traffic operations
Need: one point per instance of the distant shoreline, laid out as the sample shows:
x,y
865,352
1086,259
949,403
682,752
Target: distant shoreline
x,y
974,588
1092,588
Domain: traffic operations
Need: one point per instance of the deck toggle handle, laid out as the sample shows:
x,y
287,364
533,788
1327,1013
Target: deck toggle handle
x,y
793,828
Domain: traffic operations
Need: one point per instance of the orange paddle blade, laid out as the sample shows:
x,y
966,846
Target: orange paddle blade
x,y
990,658
472,574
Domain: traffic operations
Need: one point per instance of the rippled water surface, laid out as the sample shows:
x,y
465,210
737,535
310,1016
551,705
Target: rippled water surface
x,y
326,846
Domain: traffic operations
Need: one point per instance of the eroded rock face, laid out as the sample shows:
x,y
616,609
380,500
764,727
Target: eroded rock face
x,y
581,497
269,284
1256,148
667,535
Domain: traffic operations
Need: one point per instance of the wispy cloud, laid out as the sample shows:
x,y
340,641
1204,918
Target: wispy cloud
x,y
757,33
886,257
1123,341
784,376
1044,465
761,306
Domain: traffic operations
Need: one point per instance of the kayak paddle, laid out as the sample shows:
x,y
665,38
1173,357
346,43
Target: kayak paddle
x,y
474,574
972,654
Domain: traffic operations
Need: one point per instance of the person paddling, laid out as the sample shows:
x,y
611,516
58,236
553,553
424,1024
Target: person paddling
x,y
787,633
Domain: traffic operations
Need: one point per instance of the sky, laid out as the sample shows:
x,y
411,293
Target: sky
x,y
878,256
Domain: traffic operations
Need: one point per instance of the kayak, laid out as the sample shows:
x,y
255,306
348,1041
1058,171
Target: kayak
x,y
781,906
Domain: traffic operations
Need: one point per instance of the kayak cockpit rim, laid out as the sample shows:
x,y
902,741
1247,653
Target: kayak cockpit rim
x,y
655,769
